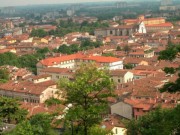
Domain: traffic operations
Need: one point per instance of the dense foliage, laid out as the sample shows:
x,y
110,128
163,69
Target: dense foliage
x,y
170,52
69,26
158,122
26,61
128,66
169,70
4,75
38,33
108,55
85,45
10,110
88,95
39,124
171,86
52,101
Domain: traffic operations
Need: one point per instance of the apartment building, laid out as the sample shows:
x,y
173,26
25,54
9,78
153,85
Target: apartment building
x,y
75,60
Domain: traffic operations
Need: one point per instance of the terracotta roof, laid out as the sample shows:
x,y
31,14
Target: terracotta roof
x,y
40,76
168,24
137,53
58,60
118,72
132,101
4,50
144,106
102,59
130,60
130,20
34,108
147,68
23,88
56,70
112,121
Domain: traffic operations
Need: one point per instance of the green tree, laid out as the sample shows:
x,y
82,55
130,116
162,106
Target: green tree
x,y
158,122
23,128
88,95
172,87
108,54
96,130
41,124
127,49
10,110
87,44
118,48
74,48
52,101
8,59
38,33
64,49
169,70
168,54
41,53
4,75
128,66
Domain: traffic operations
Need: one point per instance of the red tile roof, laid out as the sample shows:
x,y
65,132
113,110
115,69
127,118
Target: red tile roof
x,y
58,60
51,61
102,59
56,70
34,108
168,24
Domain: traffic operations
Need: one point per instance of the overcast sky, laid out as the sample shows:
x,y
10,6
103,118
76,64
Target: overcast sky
x,y
33,2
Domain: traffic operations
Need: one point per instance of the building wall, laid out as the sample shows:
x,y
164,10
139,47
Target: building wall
x,y
22,96
128,77
41,80
154,21
139,76
119,131
116,65
149,55
57,76
100,33
72,64
115,32
156,29
117,79
138,112
48,93
39,67
123,109
142,28
144,63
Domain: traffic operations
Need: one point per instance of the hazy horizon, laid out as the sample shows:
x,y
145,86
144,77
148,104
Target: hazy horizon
x,y
37,2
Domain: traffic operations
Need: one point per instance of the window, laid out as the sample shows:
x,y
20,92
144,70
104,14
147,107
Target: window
x,y
137,109
57,77
119,80
111,32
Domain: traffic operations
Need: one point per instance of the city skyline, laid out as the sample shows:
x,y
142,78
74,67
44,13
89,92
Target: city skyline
x,y
35,2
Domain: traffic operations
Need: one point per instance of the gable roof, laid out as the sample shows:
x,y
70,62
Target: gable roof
x,y
57,60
